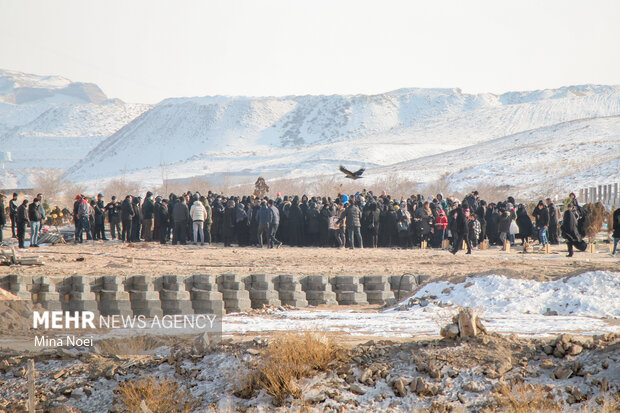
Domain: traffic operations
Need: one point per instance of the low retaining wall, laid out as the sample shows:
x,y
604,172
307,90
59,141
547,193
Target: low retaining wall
x,y
205,293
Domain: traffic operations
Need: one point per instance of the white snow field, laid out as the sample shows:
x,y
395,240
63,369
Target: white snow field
x,y
585,304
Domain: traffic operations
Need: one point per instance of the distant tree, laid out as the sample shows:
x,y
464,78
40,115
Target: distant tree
x,y
594,216
49,183
122,187
260,187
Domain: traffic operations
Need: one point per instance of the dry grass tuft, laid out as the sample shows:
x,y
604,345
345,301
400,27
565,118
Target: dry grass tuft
x,y
287,359
159,396
610,404
526,398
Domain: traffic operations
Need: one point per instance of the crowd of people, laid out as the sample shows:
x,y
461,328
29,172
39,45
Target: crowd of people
x,y
355,221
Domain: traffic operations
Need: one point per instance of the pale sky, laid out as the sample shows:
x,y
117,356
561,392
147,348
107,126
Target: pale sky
x,y
147,50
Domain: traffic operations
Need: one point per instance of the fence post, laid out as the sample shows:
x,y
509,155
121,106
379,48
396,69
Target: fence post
x,y
585,200
609,200
616,193
600,193
581,195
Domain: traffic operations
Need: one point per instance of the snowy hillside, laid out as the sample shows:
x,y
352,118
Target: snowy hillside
x,y
308,136
50,122
547,160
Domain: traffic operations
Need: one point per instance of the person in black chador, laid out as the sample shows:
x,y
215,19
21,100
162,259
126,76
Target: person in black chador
x,y
127,215
570,232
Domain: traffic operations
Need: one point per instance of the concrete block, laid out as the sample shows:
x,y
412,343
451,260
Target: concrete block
x,y
294,298
321,297
144,298
380,297
351,298
206,282
403,285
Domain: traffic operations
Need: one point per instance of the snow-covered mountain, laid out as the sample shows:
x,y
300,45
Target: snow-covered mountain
x,y
308,136
545,140
49,122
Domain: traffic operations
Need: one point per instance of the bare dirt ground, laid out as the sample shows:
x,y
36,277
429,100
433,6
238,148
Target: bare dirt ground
x,y
115,258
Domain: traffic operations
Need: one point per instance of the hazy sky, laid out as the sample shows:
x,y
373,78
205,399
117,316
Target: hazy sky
x,y
144,51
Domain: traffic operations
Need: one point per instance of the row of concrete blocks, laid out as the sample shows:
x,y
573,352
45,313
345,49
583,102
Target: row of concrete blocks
x,y
205,293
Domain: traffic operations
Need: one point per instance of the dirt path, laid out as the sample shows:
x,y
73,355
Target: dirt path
x,y
114,258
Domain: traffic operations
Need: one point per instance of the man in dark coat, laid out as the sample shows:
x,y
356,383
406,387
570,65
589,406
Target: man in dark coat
x,y
570,232
127,215
505,220
156,223
324,217
180,217
262,221
616,228
21,219
114,217
553,223
13,214
100,219
148,210
274,222
2,215
35,218
353,225
208,219
136,222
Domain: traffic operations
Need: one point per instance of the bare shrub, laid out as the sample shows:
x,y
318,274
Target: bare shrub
x,y
51,184
288,358
488,192
288,186
609,219
161,395
396,186
440,185
71,190
121,187
610,404
526,398
593,219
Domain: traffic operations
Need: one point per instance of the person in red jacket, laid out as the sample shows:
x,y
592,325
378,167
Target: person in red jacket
x,y
441,223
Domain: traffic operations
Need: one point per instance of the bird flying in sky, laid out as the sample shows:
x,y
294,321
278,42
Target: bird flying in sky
x,y
352,175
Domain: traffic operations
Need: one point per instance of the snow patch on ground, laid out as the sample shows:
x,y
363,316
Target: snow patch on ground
x,y
592,294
